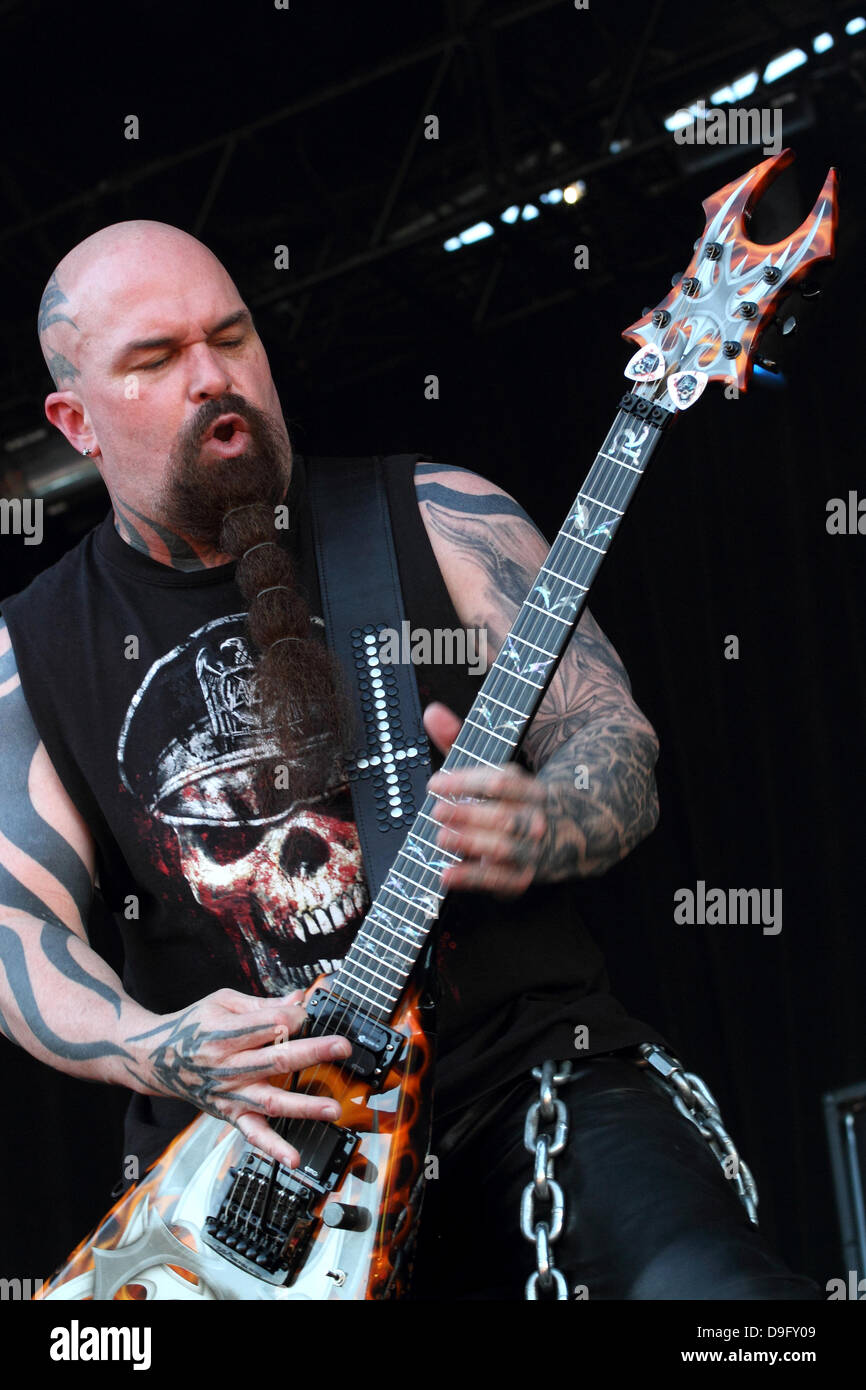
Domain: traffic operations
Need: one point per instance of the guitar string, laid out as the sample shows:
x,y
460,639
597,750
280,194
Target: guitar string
x,y
505,682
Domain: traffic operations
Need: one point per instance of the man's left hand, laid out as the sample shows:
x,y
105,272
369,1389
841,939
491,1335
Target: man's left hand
x,y
500,830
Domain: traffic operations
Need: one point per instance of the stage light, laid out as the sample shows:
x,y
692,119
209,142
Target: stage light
x,y
822,43
785,63
682,117
855,26
574,192
511,214
529,212
476,233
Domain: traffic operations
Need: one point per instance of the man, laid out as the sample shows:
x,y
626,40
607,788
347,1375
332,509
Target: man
x,y
146,720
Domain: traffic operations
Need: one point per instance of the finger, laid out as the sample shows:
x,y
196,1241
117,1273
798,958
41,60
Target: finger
x,y
258,1132
509,783
442,725
518,820
286,1057
274,1026
475,876
238,1003
277,1103
489,845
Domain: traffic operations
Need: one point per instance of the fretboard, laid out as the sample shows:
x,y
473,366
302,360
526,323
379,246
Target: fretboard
x,y
374,971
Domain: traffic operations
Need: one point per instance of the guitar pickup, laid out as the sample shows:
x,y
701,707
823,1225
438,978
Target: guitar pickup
x,y
375,1046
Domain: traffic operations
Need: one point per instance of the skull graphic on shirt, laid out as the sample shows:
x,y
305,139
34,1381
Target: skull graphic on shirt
x,y
294,890
283,878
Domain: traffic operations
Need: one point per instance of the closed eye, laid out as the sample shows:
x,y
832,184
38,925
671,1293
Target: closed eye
x,y
161,361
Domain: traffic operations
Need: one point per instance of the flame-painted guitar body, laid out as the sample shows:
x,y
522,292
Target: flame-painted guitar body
x,y
212,1219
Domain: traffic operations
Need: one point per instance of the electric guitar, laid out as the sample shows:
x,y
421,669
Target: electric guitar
x,y
214,1218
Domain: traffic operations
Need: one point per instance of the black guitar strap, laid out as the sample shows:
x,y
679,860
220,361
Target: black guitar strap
x,y
361,598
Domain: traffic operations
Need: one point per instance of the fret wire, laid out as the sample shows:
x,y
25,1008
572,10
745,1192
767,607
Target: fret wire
x,y
404,879
515,637
547,570
341,988
622,463
386,994
597,503
358,945
416,926
383,927
364,951
357,965
491,732
438,848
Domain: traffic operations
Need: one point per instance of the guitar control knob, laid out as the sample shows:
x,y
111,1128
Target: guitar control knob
x,y
340,1216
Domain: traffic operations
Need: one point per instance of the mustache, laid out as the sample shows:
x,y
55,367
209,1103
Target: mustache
x,y
197,493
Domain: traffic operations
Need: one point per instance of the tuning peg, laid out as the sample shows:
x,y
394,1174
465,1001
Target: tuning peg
x,y
647,309
675,279
768,364
786,326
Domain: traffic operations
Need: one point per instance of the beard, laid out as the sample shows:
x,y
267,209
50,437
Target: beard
x,y
229,506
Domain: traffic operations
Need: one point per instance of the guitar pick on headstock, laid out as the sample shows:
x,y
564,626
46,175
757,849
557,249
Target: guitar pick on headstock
x,y
647,364
684,388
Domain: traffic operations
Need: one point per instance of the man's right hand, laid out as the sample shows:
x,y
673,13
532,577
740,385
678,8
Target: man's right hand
x,y
219,1054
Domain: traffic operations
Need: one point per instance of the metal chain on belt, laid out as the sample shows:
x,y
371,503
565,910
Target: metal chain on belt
x,y
694,1100
542,1204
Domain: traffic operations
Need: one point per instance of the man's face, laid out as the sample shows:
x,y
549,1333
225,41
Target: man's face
x,y
165,339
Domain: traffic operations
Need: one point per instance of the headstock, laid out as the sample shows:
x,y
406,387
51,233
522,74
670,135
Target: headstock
x,y
708,327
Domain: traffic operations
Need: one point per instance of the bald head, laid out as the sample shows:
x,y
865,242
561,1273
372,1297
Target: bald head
x,y
101,277
148,341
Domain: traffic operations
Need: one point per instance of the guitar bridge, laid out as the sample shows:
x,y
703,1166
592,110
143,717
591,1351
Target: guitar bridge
x,y
265,1219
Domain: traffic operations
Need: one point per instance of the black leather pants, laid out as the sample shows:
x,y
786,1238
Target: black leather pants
x,y
649,1213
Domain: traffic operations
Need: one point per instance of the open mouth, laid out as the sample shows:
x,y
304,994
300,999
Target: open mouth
x,y
224,428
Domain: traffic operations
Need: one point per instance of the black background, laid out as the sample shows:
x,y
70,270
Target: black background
x,y
762,763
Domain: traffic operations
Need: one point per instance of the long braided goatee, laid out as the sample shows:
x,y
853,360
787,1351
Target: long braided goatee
x,y
297,681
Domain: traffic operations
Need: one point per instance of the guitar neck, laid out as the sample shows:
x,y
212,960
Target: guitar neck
x,y
374,971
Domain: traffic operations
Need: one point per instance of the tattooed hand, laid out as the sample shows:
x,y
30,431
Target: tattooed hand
x,y
498,820
223,1053
513,827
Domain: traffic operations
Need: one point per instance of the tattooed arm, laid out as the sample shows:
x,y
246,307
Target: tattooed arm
x,y
61,1002
593,750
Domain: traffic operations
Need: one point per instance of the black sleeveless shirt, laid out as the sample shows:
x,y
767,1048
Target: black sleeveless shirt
x,y
130,669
